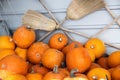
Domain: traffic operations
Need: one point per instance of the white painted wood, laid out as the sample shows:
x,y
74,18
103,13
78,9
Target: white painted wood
x,y
90,24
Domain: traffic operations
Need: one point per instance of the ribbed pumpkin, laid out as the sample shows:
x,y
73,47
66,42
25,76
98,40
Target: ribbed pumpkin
x,y
78,58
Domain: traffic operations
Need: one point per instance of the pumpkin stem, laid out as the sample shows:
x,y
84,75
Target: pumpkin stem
x,y
28,27
72,73
106,77
63,64
41,65
55,69
95,77
76,46
92,47
60,39
32,70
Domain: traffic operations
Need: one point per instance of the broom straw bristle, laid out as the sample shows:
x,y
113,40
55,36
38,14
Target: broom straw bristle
x,y
81,8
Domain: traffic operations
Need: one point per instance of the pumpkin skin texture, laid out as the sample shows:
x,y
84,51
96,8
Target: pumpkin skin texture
x,y
58,41
98,74
78,77
116,73
52,57
114,59
74,75
70,46
54,75
24,36
35,52
21,53
39,69
103,62
5,73
34,76
6,52
94,65
16,77
14,64
96,46
6,42
78,58
64,71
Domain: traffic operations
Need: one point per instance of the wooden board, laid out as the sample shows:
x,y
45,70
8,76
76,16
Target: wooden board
x,y
13,10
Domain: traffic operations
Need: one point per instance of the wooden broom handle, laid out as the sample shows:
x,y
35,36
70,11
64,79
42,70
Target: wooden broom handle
x,y
112,14
59,24
106,27
86,36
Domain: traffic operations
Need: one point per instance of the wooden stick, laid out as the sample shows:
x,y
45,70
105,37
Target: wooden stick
x,y
86,36
59,24
106,27
44,36
112,14
72,39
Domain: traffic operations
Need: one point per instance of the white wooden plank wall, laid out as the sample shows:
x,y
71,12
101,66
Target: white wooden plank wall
x,y
13,10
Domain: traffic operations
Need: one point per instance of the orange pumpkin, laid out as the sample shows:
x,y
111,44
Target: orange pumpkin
x,y
6,42
24,36
6,52
98,74
54,75
5,73
78,58
39,69
94,65
35,52
21,53
64,71
97,46
103,62
34,76
58,41
75,76
72,45
92,55
115,74
14,63
114,59
52,57
15,77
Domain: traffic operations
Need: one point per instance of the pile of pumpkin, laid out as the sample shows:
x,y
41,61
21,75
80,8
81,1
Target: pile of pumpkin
x,y
23,58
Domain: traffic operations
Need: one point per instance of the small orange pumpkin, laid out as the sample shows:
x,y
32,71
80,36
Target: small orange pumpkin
x,y
52,57
6,42
98,74
14,64
78,58
58,41
103,62
97,46
114,59
24,36
35,52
